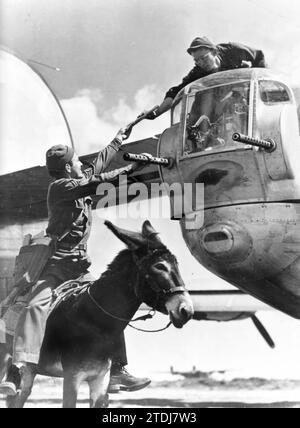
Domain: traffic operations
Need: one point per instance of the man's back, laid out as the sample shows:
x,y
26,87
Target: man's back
x,y
210,58
231,56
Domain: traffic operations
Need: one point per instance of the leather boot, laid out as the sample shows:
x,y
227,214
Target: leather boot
x,y
121,380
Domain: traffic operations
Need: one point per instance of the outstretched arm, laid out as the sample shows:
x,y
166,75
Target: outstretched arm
x,y
166,104
106,155
76,189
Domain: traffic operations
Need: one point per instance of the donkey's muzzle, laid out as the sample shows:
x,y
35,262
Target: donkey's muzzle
x,y
180,309
185,314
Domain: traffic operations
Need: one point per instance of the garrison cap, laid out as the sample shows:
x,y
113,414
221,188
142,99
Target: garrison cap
x,y
58,156
200,42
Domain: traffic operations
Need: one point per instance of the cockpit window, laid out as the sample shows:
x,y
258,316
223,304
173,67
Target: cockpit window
x,y
176,112
273,92
214,115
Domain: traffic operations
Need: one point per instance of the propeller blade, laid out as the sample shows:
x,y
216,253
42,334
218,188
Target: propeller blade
x,y
262,330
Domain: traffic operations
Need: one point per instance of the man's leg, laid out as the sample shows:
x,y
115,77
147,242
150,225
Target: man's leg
x,y
29,333
120,379
120,354
31,325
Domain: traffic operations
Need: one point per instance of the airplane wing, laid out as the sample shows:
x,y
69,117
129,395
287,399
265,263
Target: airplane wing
x,y
224,305
228,305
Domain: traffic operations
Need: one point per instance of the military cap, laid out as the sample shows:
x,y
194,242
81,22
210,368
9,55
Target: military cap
x,y
58,156
200,42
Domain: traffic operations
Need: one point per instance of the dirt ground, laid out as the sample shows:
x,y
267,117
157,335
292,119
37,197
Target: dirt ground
x,y
186,393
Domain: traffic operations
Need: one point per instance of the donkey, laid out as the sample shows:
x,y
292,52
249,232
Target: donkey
x,y
81,330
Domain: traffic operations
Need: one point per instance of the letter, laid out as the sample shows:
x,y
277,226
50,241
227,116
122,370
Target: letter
x,y
158,193
184,417
193,197
133,418
105,419
122,197
108,191
123,189
164,417
174,191
106,206
194,205
137,210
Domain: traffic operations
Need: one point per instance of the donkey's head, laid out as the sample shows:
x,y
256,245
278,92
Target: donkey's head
x,y
159,283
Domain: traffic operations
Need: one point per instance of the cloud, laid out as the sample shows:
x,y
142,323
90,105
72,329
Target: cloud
x,y
93,126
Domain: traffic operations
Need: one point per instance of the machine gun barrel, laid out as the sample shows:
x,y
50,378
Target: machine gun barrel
x,y
132,157
269,145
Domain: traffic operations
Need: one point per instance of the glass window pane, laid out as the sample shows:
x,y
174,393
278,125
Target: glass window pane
x,y
214,115
176,113
273,92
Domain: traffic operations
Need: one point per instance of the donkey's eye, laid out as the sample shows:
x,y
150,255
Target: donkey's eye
x,y
161,266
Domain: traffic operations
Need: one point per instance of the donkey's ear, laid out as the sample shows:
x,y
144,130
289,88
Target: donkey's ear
x,y
133,240
149,232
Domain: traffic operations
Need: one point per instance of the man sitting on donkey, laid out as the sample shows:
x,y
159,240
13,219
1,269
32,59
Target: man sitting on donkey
x,y
70,221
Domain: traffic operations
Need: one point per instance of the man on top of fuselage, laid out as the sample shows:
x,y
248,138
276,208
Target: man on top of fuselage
x,y
208,59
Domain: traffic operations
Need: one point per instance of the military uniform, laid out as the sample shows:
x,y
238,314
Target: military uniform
x,y
231,56
70,219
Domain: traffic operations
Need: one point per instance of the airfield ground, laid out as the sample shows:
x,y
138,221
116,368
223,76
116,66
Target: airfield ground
x,y
196,392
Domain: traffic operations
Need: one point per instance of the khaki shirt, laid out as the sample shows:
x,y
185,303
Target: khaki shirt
x,y
69,204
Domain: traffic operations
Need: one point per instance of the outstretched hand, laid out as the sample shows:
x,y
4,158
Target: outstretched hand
x,y
123,134
151,115
246,64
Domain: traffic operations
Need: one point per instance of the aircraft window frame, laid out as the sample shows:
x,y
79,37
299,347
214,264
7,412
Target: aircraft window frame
x,y
276,101
177,104
234,147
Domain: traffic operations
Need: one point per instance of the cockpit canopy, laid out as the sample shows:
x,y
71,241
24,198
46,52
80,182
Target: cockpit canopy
x,y
213,108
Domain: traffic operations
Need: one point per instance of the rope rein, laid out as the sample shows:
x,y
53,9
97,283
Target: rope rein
x,y
150,315
151,331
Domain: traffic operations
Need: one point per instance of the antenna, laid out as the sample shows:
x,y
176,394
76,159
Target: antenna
x,y
44,65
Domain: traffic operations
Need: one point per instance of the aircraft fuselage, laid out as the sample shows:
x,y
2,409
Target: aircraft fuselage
x,y
249,231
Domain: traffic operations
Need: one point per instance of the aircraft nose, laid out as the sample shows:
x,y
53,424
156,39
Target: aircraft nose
x,y
226,241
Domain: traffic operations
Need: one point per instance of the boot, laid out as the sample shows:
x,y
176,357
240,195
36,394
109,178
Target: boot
x,y
12,384
121,380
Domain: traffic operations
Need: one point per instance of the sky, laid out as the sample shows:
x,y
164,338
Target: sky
x,y
117,58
